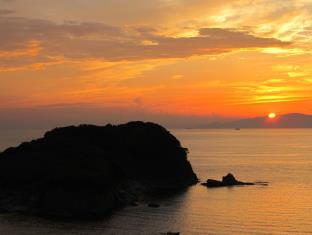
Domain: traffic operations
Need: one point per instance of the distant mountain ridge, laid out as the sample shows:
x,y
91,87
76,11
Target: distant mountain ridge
x,y
292,120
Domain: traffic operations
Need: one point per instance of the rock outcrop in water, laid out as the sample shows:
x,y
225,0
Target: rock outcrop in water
x,y
89,171
228,180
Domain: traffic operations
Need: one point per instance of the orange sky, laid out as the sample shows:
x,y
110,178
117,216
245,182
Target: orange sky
x,y
195,57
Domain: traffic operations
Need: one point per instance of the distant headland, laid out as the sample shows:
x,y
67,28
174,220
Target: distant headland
x,y
293,120
89,171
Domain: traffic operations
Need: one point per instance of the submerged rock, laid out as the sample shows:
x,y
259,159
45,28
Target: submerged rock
x,y
228,180
89,171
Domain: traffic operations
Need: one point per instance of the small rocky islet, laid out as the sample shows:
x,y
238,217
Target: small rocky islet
x,y
90,171
228,181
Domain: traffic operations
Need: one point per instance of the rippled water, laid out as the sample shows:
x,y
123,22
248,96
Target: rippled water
x,y
282,157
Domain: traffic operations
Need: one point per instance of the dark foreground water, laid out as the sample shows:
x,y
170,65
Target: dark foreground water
x,y
282,157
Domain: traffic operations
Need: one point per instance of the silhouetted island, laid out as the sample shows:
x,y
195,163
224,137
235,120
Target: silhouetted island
x,y
228,180
89,171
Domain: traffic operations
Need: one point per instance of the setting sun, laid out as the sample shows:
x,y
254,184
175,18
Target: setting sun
x,y
272,115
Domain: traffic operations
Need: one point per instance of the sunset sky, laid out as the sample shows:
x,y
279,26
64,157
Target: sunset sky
x,y
155,58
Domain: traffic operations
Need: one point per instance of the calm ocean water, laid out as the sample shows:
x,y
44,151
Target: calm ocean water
x,y
282,157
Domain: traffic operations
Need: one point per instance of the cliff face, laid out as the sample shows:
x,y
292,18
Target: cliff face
x,y
89,171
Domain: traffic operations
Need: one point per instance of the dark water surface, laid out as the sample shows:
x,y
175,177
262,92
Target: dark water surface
x,y
283,157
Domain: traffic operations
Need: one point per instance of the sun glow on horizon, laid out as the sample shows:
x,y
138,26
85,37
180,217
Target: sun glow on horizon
x,y
272,115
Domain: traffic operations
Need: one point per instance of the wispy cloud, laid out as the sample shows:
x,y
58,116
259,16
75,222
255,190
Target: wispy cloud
x,y
30,41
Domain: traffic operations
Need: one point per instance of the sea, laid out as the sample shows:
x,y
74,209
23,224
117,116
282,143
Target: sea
x,y
281,157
